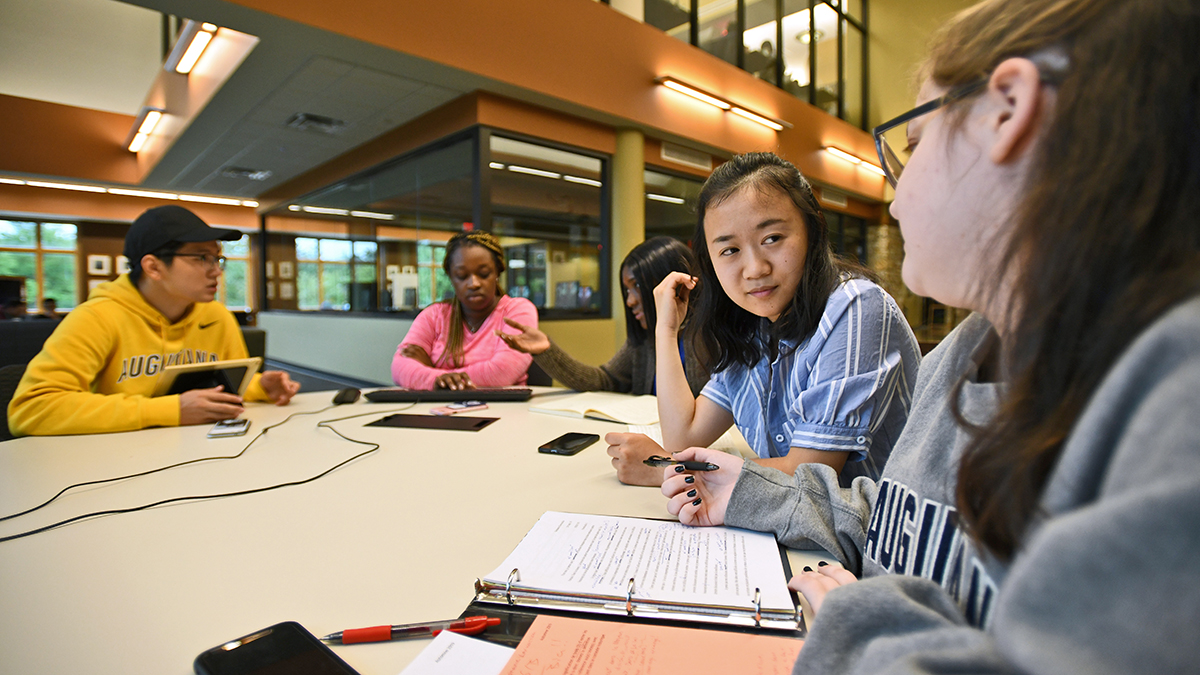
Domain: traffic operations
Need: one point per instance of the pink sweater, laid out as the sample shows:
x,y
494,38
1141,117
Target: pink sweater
x,y
488,361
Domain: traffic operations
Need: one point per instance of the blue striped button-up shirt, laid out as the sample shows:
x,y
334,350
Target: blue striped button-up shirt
x,y
846,388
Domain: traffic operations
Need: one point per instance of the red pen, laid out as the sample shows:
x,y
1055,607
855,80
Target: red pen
x,y
471,625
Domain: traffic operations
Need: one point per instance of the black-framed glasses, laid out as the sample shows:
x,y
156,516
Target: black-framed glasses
x,y
888,159
208,260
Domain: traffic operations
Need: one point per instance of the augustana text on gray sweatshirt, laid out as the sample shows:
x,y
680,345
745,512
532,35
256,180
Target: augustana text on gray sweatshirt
x,y
1107,581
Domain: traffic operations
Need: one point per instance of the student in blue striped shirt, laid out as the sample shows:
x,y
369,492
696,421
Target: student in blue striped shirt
x,y
811,359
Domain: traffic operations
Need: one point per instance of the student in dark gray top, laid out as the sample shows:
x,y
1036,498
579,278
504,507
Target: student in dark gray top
x,y
1040,512
631,370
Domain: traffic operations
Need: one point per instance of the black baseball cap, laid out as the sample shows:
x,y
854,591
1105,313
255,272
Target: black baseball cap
x,y
163,224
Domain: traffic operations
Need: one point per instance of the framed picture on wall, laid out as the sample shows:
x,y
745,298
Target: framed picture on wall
x,y
122,265
93,283
287,290
99,265
285,269
270,269
270,290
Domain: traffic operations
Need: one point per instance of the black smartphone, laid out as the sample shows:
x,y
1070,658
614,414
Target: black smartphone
x,y
569,444
283,648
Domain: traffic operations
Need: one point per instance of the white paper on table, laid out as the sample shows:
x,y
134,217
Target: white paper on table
x,y
456,654
671,562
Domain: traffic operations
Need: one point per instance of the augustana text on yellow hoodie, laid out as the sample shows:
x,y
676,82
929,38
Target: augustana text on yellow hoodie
x,y
98,368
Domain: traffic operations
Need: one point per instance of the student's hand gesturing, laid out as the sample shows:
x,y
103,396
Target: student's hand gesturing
x,y
671,300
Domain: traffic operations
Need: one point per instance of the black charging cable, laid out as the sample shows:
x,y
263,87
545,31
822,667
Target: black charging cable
x,y
172,500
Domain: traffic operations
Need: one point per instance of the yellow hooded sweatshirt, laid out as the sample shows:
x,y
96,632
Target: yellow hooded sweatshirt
x,y
98,368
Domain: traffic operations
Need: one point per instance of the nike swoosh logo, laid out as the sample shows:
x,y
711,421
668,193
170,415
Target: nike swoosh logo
x,y
208,325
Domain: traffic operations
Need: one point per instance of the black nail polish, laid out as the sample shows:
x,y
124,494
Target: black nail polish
x,y
692,493
690,479
697,502
807,568
679,469
822,564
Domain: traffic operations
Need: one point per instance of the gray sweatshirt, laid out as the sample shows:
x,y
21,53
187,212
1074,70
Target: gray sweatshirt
x,y
1107,581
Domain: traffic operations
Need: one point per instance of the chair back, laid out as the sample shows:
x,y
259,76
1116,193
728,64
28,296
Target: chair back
x,y
10,376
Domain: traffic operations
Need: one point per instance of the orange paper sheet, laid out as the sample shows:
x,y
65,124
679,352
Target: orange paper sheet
x,y
561,646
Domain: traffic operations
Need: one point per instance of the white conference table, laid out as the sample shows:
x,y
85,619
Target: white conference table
x,y
397,536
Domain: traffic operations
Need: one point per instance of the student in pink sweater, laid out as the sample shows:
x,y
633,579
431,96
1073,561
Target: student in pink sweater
x,y
453,344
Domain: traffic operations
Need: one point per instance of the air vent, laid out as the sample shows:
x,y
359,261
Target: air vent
x,y
833,197
311,122
240,172
686,156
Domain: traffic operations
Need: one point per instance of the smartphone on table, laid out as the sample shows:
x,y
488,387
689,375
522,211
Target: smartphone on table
x,y
459,406
283,648
569,444
225,428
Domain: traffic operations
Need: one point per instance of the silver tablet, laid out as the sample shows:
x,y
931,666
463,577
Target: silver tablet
x,y
234,375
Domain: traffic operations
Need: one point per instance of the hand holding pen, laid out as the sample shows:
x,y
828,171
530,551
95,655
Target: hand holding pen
x,y
699,496
471,625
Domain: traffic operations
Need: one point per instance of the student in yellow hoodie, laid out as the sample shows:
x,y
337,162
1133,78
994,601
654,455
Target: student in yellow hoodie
x,y
98,369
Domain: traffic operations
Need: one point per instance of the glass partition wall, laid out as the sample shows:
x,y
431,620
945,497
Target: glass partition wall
x,y
375,242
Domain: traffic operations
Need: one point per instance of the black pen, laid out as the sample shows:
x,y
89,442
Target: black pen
x,y
655,460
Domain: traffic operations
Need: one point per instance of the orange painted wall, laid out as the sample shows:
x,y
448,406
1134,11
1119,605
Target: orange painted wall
x,y
61,140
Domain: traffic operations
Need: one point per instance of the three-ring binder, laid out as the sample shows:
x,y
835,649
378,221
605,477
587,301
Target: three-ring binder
x,y
513,593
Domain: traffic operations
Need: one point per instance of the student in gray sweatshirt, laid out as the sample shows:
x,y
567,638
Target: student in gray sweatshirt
x,y
1040,512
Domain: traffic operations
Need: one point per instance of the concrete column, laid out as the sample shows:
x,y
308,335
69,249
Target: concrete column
x,y
628,215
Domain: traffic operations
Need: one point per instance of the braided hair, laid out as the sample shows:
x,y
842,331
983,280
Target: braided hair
x,y
453,356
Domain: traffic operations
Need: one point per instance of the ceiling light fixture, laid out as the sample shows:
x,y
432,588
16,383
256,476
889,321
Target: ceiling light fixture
x,y
853,159
142,193
204,199
582,181
533,172
11,181
143,125
193,40
325,210
373,214
66,186
664,198
495,165
686,89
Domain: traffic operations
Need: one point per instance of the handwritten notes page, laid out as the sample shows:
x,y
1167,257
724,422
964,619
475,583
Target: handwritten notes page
x,y
669,562
559,645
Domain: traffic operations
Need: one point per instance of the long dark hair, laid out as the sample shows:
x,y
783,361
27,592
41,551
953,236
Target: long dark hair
x,y
649,263
729,334
453,356
1105,239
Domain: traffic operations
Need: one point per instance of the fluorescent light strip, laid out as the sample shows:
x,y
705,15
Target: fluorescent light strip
x,y
66,186
294,207
373,214
195,49
142,193
755,117
853,159
138,141
582,181
688,90
664,198
250,202
325,210
495,165
11,181
204,199
533,172
152,118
